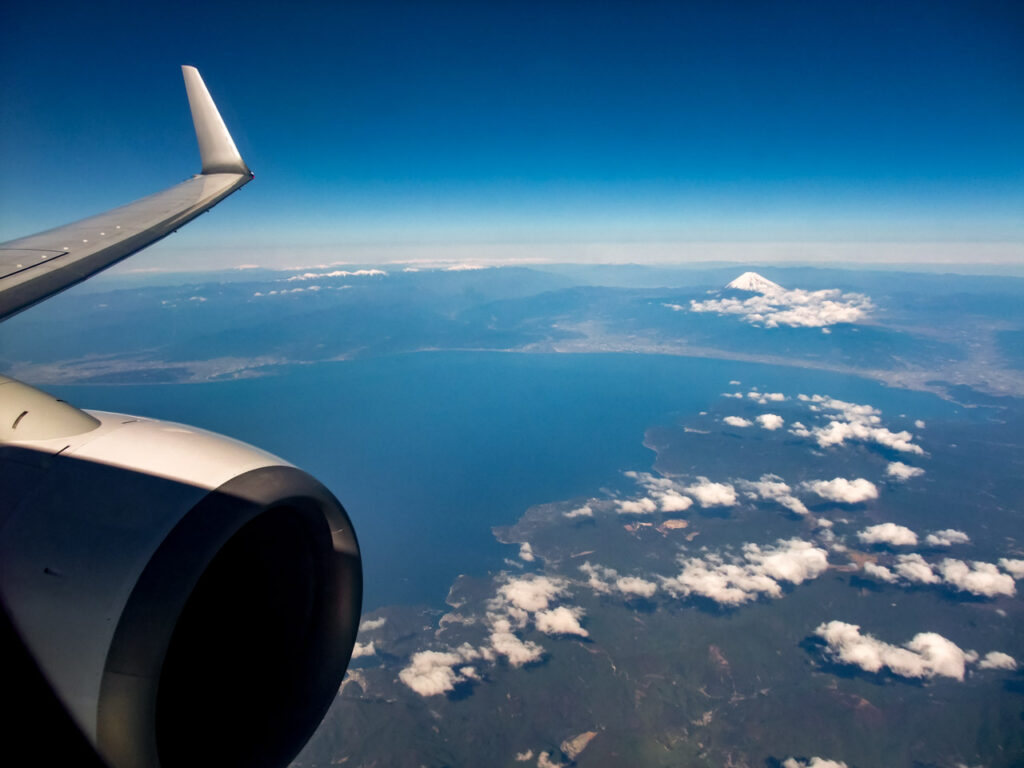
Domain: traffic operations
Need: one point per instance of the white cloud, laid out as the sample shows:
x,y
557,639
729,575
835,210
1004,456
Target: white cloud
x,y
363,649
598,577
737,421
978,578
879,572
634,585
914,569
369,624
431,673
544,761
794,308
771,488
584,511
531,593
1013,567
793,561
663,491
561,621
517,651
673,501
465,267
733,394
842,490
526,552
709,494
997,660
855,422
926,655
946,538
770,421
814,762
888,533
758,572
900,471
643,506
764,398
522,757
919,424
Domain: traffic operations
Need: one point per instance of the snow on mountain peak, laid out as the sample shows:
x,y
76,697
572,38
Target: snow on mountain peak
x,y
751,281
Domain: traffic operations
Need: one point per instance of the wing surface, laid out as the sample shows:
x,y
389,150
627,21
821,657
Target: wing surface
x,y
35,267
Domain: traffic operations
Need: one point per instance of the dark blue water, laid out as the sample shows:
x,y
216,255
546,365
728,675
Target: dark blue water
x,y
429,451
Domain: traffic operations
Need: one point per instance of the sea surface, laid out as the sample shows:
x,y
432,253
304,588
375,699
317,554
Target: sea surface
x,y
428,451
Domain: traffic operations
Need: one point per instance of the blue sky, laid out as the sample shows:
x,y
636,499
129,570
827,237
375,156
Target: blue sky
x,y
382,129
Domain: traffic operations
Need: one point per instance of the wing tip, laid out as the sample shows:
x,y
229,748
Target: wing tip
x,y
217,150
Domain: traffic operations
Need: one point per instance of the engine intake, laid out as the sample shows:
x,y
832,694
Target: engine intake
x,y
191,599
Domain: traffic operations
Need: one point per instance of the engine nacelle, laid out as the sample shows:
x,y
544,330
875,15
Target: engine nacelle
x,y
191,599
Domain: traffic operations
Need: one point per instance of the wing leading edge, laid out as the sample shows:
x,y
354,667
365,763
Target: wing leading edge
x,y
34,268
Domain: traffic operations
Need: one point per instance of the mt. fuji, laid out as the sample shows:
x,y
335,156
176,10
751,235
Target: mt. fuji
x,y
755,283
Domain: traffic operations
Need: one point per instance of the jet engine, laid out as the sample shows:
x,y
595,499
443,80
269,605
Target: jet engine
x,y
192,600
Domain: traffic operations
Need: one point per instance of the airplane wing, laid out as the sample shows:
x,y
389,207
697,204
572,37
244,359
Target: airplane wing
x,y
35,267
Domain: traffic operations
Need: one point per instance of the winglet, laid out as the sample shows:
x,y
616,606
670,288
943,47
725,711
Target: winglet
x,y
216,148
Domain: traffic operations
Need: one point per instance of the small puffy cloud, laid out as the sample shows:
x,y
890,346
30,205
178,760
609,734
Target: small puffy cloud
x,y
926,655
997,660
946,538
983,579
758,573
644,506
795,308
544,761
737,421
561,621
598,577
1013,567
369,624
531,593
842,490
709,494
879,572
770,421
738,395
673,501
363,649
518,652
914,569
763,398
853,422
662,491
919,424
793,561
526,552
814,762
976,578
772,488
431,673
465,267
634,585
888,533
900,471
799,429
584,511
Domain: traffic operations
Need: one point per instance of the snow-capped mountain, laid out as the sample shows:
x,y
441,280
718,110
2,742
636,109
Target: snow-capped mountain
x,y
751,281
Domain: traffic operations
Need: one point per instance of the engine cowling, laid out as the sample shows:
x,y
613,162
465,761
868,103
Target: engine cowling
x,y
191,599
